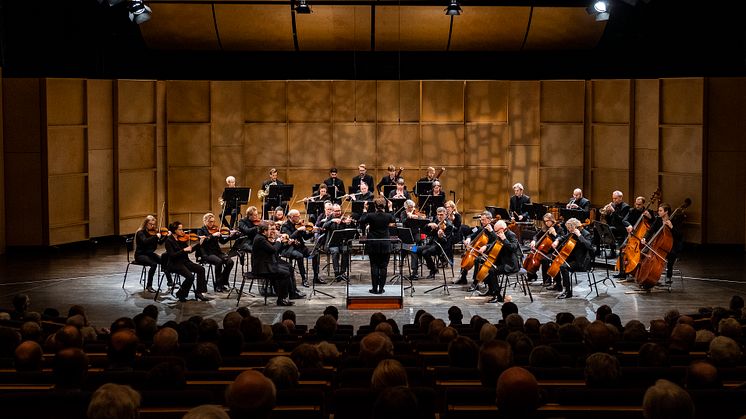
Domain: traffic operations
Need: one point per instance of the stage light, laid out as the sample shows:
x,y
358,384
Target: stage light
x,y
599,9
303,8
139,12
453,9
111,2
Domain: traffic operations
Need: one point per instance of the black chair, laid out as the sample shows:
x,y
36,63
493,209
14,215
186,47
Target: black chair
x,y
251,277
129,244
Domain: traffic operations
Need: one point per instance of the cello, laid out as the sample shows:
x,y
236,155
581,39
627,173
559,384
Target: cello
x,y
489,261
630,255
655,254
542,251
561,257
472,251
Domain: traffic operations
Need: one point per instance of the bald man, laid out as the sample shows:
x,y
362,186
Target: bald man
x,y
517,393
251,395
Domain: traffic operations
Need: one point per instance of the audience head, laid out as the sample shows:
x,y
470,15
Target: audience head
x,y
634,331
122,349
724,352
658,329
328,352
549,332
602,312
21,304
520,342
306,355
385,328
251,395
702,375
666,400
544,356
447,335
494,357
68,337
653,355
436,326
388,373
70,368
455,316
563,318
682,338
425,321
289,315
568,332
463,352
282,371
251,327
230,342
396,402
165,342
204,357
114,401
28,356
9,341
532,326
31,331
208,330
736,305
332,311
598,338
232,320
601,371
517,393
487,333
508,309
374,348
731,328
206,411
122,323
326,326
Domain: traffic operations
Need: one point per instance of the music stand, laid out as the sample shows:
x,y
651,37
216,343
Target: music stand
x,y
315,253
605,236
342,238
314,208
423,187
237,197
538,211
405,238
386,190
567,213
416,225
237,250
358,206
445,281
495,211
397,204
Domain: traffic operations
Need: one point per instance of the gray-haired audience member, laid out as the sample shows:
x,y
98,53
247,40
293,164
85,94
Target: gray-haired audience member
x,y
114,401
251,395
28,356
207,411
495,357
724,352
601,371
283,372
666,400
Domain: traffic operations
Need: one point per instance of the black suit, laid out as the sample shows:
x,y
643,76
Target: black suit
x,y
271,203
386,180
299,251
179,263
615,220
210,252
368,179
379,247
433,245
508,260
265,262
518,206
335,193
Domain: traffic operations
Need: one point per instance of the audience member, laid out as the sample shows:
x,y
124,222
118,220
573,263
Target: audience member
x,y
70,369
114,401
326,327
395,402
306,355
204,357
283,372
487,333
602,371
122,350
544,356
653,355
447,335
165,342
455,316
207,411
232,321
702,375
724,352
388,373
28,356
332,311
495,357
463,352
251,395
517,394
666,400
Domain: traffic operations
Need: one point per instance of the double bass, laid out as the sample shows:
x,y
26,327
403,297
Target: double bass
x,y
655,254
630,255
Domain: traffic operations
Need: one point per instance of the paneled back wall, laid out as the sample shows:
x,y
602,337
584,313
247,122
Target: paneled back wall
x,y
130,146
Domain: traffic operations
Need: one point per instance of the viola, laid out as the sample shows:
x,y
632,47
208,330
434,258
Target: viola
x,y
187,237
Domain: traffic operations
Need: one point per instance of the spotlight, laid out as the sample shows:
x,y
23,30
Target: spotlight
x,y
139,12
303,8
453,8
111,2
599,9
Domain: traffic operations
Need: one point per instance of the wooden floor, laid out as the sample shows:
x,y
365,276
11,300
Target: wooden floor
x,y
91,274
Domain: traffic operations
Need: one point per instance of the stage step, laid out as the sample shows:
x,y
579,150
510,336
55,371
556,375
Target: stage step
x,y
372,302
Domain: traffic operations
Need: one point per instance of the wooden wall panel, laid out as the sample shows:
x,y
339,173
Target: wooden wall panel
x,y
610,101
266,145
66,101
562,101
562,146
607,181
304,179
486,144
226,134
681,149
68,234
442,101
136,195
68,200
189,192
67,151
226,105
610,147
21,115
188,101
24,199
354,100
523,167
401,143
137,144
682,101
443,144
398,101
2,175
225,161
646,172
647,113
253,178
188,145
523,116
311,144
309,101
354,144
486,101
675,189
558,183
481,188
101,193
136,101
265,101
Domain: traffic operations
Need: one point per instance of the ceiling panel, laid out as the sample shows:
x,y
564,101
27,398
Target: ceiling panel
x,y
180,26
563,28
411,28
334,28
490,28
246,27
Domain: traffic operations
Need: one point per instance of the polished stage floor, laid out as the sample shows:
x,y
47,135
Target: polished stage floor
x,y
91,274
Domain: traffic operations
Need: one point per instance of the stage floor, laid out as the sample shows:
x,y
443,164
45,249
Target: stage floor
x,y
91,275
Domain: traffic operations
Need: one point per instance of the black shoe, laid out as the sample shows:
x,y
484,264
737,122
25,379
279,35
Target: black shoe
x,y
472,288
555,288
432,274
319,281
202,297
496,299
564,295
297,296
182,299
381,291
669,280
150,290
305,283
373,291
620,276
284,303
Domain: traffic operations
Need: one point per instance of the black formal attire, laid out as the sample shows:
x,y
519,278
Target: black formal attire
x,y
299,251
313,216
248,231
678,243
336,188
368,179
179,263
508,261
431,207
583,203
434,246
210,252
265,261
378,246
519,205
615,220
405,194
339,252
429,188
579,260
271,203
457,235
230,209
633,215
145,246
385,181
545,263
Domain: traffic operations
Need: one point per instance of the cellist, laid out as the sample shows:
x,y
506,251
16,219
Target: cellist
x,y
578,260
552,230
663,220
485,222
629,222
508,260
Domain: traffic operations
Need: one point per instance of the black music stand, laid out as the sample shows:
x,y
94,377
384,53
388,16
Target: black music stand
x,y
358,206
416,225
397,204
236,196
237,250
342,238
315,253
580,215
387,190
605,236
445,281
423,187
406,241
528,209
495,211
314,208
538,211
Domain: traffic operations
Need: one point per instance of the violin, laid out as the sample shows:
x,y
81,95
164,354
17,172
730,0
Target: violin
x,y
308,226
154,231
188,237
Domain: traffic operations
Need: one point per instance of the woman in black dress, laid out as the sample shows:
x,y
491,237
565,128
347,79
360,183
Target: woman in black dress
x,y
378,245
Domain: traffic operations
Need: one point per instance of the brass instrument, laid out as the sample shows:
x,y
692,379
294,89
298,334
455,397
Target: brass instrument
x,y
264,192
607,209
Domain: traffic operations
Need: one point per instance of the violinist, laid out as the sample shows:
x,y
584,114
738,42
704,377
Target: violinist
x,y
378,247
485,222
578,202
552,230
340,251
664,220
278,216
519,204
265,261
438,234
297,230
362,177
454,217
147,239
178,247
210,251
248,228
335,186
579,260
508,260
230,207
614,213
270,203
388,180
400,192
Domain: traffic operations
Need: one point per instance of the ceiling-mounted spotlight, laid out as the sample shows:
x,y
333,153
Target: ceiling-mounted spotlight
x,y
599,9
303,8
111,2
453,9
139,12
